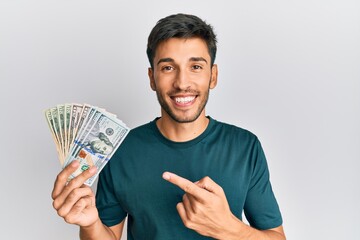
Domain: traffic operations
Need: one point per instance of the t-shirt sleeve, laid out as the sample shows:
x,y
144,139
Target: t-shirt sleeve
x,y
109,208
261,208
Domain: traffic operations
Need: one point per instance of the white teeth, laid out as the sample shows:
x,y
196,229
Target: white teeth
x,y
184,99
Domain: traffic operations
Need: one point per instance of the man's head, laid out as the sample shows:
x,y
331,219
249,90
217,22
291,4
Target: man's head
x,y
181,26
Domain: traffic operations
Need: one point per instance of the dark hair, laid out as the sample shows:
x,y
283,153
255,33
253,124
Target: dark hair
x,y
181,26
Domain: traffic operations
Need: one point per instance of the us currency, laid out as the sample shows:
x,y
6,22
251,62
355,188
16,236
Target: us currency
x,y
67,122
76,110
60,118
102,136
85,133
51,124
57,130
88,123
83,116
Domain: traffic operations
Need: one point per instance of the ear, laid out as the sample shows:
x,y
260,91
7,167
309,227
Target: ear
x,y
151,78
214,76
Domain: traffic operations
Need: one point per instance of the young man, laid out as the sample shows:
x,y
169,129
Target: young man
x,y
184,175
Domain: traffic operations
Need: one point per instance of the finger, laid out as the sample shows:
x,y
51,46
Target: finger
x,y
184,217
76,182
186,185
188,205
73,199
73,215
208,184
79,180
62,178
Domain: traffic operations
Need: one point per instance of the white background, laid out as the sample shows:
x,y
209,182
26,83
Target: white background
x,y
289,72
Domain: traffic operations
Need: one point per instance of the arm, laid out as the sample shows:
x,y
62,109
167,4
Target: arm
x,y
75,202
205,209
243,231
99,231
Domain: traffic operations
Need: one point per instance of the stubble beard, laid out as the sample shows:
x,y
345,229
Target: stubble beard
x,y
180,119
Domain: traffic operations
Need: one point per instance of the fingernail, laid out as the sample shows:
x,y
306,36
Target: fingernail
x,y
74,163
166,176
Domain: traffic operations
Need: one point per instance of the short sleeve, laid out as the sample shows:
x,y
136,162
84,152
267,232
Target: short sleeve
x,y
109,208
261,208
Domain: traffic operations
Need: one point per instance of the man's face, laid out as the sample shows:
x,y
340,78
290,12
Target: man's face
x,y
101,147
182,77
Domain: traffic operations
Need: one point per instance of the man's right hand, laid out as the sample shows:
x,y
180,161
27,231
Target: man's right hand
x,y
74,201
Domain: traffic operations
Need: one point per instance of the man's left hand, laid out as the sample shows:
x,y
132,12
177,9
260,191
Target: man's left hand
x,y
204,207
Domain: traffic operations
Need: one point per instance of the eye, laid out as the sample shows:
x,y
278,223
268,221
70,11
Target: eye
x,y
196,67
167,68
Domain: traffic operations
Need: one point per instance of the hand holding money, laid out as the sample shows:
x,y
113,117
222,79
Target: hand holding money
x,y
73,201
85,133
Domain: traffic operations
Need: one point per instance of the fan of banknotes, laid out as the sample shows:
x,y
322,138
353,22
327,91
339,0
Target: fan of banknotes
x,y
85,133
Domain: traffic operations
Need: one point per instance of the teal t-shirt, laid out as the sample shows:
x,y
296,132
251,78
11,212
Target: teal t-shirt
x,y
131,183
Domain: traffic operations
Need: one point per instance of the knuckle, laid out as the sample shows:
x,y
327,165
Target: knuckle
x,y
68,219
72,184
55,204
75,194
188,188
195,209
61,212
76,191
53,196
81,202
184,197
188,223
62,176
207,178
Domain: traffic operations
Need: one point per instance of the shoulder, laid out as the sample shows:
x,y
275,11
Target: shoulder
x,y
144,128
142,133
231,130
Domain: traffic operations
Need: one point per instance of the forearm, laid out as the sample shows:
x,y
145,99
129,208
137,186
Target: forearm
x,y
240,231
96,231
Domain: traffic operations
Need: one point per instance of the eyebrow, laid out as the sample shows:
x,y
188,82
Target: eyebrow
x,y
165,60
192,59
198,59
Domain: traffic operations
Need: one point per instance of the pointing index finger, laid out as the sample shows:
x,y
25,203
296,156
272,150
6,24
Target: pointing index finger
x,y
185,184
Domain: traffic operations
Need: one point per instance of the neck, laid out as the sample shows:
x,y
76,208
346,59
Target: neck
x,y
182,132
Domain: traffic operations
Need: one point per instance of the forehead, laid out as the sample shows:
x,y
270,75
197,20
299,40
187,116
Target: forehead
x,y
182,48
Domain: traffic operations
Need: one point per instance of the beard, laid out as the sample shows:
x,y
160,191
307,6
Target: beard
x,y
179,117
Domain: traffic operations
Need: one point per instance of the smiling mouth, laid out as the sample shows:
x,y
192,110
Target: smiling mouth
x,y
184,100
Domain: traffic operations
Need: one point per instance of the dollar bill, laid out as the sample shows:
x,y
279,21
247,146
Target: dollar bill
x,y
99,144
67,122
51,125
57,130
76,110
60,118
85,133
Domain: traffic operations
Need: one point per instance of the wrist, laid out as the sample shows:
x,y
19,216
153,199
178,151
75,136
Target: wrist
x,y
92,228
235,230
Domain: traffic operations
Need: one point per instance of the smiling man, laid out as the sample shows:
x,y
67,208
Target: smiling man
x,y
183,175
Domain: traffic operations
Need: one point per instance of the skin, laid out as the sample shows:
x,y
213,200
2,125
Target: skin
x,y
181,77
182,70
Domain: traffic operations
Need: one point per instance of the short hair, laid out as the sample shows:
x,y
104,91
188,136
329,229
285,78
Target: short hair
x,y
181,26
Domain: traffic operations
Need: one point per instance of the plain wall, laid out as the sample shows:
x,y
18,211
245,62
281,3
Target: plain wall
x,y
288,72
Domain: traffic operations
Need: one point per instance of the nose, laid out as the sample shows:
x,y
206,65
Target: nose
x,y
182,80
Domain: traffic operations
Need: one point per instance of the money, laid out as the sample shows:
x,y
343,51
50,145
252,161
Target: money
x,y
85,133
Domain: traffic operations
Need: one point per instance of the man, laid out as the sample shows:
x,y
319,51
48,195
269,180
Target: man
x,y
184,175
